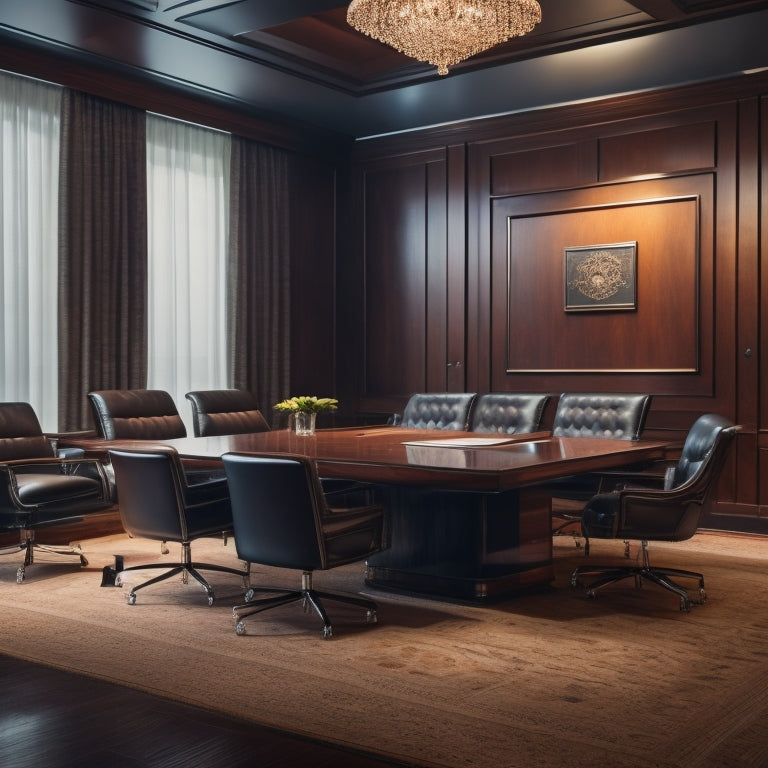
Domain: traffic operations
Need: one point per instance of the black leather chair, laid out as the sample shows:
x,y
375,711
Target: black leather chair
x,y
598,415
439,410
508,413
590,414
136,414
668,514
40,488
157,502
234,412
282,518
144,414
225,412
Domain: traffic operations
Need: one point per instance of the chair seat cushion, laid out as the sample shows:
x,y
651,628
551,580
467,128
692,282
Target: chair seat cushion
x,y
49,489
49,499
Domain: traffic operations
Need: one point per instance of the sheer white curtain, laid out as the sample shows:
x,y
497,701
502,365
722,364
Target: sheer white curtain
x,y
29,157
188,199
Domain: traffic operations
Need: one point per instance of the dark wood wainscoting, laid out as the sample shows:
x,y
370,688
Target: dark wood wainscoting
x,y
483,308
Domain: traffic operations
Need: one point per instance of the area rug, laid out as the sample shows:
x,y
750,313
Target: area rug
x,y
547,679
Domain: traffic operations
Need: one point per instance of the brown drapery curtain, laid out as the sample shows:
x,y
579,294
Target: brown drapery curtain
x,y
102,253
259,272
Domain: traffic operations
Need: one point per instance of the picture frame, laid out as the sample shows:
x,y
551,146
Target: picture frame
x,y
600,277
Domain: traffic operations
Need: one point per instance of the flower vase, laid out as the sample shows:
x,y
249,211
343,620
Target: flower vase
x,y
304,422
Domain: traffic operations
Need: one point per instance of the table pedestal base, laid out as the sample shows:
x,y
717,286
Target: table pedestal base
x,y
461,545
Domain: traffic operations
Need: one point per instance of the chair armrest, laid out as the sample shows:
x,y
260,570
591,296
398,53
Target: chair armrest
x,y
51,461
84,467
70,453
652,475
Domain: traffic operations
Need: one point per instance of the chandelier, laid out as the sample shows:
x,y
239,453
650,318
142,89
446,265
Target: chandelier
x,y
443,32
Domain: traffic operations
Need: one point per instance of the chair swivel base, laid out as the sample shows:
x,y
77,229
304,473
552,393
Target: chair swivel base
x,y
308,596
186,568
28,545
663,577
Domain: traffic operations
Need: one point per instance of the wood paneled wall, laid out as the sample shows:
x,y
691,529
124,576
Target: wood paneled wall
x,y
434,260
457,265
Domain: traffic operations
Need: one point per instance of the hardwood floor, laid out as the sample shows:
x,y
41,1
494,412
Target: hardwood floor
x,y
56,719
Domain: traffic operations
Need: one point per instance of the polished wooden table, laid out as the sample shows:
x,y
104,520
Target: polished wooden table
x,y
468,518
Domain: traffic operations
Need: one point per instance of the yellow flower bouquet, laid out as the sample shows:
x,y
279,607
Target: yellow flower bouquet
x,y
304,410
307,404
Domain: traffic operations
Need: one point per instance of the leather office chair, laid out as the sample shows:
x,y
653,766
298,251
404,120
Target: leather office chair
x,y
614,416
234,412
225,412
507,413
143,414
40,488
136,414
668,514
282,518
157,502
597,415
439,410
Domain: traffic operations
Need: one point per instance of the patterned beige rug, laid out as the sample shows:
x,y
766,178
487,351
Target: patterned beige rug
x,y
547,679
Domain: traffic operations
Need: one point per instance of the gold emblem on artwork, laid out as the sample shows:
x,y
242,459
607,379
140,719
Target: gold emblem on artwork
x,y
599,276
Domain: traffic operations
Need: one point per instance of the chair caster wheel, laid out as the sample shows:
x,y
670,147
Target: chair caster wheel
x,y
371,617
83,560
249,595
131,598
575,583
20,576
685,605
240,628
591,594
327,632
210,599
702,596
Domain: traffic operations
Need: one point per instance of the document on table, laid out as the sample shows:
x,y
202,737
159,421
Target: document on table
x,y
463,442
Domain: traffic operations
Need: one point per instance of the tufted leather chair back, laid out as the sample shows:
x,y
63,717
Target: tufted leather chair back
x,y
620,417
671,514
698,446
507,413
439,410
136,414
21,436
225,412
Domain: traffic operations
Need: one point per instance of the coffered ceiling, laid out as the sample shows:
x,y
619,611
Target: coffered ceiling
x,y
299,58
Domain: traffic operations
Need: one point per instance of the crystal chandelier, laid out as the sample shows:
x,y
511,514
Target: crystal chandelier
x,y
443,32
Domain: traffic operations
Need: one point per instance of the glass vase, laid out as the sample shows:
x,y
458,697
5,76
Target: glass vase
x,y
304,422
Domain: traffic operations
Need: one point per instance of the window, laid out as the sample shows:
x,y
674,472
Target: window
x,y
29,147
188,203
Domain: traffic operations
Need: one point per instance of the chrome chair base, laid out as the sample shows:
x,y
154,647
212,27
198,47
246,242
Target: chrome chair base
x,y
186,568
663,577
309,597
28,545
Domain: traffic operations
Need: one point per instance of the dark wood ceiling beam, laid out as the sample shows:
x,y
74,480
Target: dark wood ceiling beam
x,y
680,10
231,19
661,10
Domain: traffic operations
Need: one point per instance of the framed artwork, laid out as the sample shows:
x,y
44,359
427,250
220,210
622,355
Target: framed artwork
x,y
601,277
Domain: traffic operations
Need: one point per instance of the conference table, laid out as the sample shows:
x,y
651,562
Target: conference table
x,y
469,515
